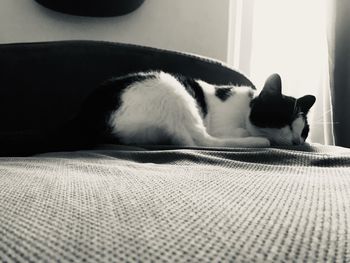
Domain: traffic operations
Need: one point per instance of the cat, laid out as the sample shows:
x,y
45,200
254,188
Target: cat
x,y
151,108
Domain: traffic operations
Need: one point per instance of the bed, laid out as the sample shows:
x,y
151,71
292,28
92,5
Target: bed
x,y
115,203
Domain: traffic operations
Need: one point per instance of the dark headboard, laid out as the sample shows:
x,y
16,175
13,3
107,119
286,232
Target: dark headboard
x,y
43,84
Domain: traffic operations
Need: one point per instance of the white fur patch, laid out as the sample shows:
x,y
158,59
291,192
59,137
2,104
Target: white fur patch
x,y
226,119
298,126
154,109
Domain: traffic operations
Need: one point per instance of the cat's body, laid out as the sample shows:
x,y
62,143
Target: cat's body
x,y
161,108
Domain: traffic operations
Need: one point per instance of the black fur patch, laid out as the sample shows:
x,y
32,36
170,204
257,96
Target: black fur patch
x,y
273,112
196,91
223,93
306,129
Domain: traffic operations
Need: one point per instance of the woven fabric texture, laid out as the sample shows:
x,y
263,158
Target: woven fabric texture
x,y
177,205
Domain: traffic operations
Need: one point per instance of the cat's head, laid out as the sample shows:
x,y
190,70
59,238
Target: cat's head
x,y
281,119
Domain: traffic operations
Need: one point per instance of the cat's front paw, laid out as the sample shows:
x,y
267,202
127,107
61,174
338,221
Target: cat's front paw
x,y
241,133
258,142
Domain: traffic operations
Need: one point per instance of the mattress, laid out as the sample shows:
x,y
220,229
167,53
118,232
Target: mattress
x,y
166,204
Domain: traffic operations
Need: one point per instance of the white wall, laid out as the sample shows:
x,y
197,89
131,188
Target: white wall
x,y
196,26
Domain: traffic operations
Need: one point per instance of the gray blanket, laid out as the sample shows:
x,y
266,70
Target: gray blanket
x,y
128,204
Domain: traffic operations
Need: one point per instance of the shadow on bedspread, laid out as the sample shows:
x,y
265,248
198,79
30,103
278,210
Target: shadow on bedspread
x,y
317,155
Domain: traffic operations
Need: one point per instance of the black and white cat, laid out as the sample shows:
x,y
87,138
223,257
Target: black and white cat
x,y
161,108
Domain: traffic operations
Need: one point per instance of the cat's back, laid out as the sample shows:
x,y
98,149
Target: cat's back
x,y
154,94
152,87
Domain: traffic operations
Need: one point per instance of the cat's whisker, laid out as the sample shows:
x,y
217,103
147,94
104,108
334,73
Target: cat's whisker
x,y
322,123
322,116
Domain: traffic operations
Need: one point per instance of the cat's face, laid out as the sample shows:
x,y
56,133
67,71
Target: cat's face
x,y
281,119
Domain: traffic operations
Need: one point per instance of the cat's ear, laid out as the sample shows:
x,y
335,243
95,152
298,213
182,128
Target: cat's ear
x,y
305,103
272,87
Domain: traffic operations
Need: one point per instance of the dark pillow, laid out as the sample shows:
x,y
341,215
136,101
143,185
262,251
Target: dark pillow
x,y
43,84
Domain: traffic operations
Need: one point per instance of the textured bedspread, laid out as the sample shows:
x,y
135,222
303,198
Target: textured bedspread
x,y
122,204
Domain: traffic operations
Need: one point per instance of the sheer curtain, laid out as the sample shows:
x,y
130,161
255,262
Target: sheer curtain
x,y
288,37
